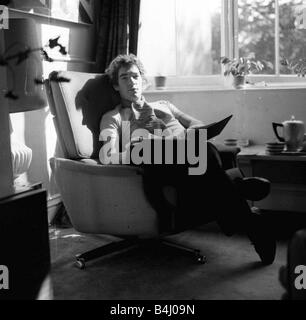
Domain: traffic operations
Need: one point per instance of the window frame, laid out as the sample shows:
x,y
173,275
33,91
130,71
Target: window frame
x,y
230,48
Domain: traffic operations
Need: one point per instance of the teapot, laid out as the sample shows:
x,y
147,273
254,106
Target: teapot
x,y
293,134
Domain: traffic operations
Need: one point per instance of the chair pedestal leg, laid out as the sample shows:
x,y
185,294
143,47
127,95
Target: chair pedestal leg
x,y
200,258
99,252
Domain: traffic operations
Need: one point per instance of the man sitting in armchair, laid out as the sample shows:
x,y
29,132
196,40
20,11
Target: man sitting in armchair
x,y
210,191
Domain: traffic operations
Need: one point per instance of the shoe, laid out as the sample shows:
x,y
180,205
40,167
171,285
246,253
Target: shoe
x,y
253,188
262,239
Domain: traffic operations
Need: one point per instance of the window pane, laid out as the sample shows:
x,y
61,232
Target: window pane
x,y
157,37
73,10
198,37
257,30
184,38
64,10
292,31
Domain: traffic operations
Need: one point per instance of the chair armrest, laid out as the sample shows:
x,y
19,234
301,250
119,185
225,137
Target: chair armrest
x,y
93,167
228,155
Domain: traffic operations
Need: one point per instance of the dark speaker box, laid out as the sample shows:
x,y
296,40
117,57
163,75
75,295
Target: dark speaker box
x,y
24,243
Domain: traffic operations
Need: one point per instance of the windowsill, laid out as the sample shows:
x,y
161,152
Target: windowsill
x,y
268,86
217,83
185,89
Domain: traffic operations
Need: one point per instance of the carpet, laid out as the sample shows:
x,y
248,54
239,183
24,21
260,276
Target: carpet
x,y
233,271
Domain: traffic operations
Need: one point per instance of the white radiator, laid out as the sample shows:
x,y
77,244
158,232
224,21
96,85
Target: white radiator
x,y
21,157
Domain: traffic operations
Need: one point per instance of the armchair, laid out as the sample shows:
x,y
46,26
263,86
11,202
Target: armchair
x,y
100,199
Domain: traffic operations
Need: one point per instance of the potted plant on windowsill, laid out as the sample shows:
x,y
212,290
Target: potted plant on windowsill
x,y
240,68
296,67
160,81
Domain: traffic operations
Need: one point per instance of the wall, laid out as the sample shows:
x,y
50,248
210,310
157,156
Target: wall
x,y
35,128
254,110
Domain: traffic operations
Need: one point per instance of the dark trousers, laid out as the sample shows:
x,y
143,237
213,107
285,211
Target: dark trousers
x,y
212,196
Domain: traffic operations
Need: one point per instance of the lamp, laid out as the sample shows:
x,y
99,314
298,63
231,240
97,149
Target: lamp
x,y
28,95
20,35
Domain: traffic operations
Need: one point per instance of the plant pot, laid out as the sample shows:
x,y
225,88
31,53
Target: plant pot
x,y
160,82
238,82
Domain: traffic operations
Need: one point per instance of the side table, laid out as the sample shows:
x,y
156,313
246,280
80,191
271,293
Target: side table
x,y
287,174
24,242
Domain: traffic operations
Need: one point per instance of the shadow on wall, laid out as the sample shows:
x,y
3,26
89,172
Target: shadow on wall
x,y
95,98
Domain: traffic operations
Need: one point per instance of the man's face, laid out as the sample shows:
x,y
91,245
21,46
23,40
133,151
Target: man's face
x,y
129,83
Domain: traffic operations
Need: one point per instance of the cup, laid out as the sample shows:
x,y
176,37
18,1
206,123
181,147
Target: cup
x,y
243,143
304,143
160,82
231,142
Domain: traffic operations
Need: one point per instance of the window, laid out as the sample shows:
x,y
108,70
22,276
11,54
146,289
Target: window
x,y
181,39
292,30
187,38
70,10
271,29
256,32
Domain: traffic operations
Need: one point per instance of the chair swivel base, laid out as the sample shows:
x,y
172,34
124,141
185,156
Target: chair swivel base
x,y
99,252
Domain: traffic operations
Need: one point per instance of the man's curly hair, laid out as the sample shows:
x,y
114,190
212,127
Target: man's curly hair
x,y
124,60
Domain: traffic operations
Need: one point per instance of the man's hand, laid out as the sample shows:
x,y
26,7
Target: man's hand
x,y
155,124
187,121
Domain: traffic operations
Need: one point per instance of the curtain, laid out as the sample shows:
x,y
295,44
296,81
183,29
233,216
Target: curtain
x,y
117,30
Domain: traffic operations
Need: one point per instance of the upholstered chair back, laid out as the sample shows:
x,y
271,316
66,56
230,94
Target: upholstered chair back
x,y
77,107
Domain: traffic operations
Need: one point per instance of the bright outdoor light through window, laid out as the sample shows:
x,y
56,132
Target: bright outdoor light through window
x,y
187,38
257,30
292,33
68,10
182,39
